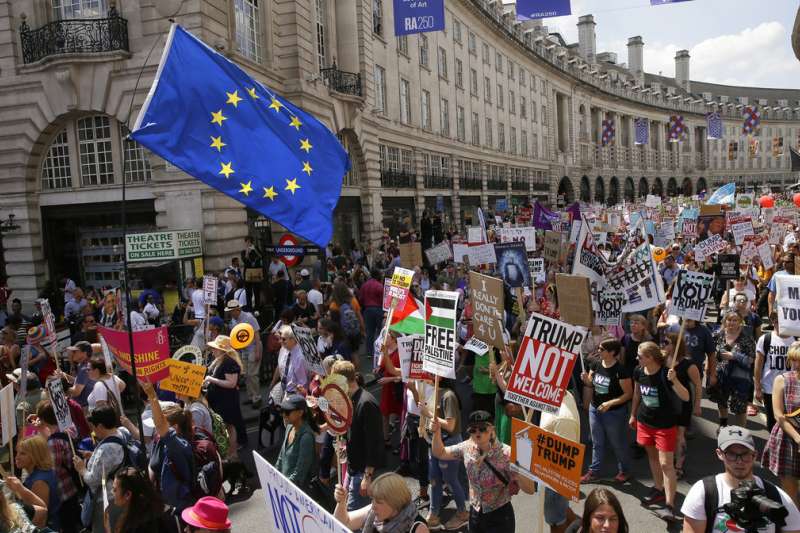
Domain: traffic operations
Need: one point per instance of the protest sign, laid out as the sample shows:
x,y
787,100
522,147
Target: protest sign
x,y
24,364
765,252
710,246
49,322
387,298
151,349
777,232
741,227
399,285
474,235
689,228
305,338
588,260
512,263
460,250
524,235
411,254
289,509
536,266
787,298
608,308
574,299
59,402
544,363
486,295
405,350
728,266
638,278
439,253
476,346
184,378
7,413
482,254
745,200
543,456
210,290
652,201
668,229
690,294
749,251
552,246
439,353
574,229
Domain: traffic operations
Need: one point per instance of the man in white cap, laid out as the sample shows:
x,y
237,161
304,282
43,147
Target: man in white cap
x,y
251,356
737,451
305,280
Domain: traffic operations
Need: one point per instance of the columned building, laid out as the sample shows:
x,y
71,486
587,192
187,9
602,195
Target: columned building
x,y
487,109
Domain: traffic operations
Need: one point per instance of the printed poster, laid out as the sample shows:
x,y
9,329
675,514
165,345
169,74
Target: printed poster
x,y
151,349
439,352
512,263
690,294
787,298
524,235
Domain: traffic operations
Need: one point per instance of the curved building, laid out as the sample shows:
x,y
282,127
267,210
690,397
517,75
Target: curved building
x,y
487,109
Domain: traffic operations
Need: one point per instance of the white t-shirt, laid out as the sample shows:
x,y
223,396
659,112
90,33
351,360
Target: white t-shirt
x,y
775,360
100,393
138,321
198,304
694,506
315,297
240,296
151,311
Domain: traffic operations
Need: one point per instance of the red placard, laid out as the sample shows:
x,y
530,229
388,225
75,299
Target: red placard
x,y
151,349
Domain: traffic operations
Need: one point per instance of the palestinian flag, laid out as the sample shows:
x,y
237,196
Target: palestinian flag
x,y
409,319
440,309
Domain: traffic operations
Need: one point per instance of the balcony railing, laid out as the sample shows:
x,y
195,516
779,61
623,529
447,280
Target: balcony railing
x,y
341,81
74,36
438,182
393,179
470,184
496,185
519,185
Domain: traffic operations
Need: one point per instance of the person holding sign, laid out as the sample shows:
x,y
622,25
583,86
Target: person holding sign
x,y
223,389
392,509
297,458
655,419
689,376
391,386
107,387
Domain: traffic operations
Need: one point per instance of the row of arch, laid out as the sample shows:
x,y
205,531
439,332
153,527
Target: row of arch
x,y
614,193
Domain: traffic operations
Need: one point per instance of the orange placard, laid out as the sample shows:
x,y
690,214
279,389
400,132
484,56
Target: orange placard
x,y
546,457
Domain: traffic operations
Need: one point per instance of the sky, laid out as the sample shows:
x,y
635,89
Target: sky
x,y
733,42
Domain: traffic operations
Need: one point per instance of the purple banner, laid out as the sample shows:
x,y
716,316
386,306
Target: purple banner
x,y
418,16
540,9
543,218
575,211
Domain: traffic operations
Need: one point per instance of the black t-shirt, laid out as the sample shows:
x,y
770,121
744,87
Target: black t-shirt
x,y
631,351
654,409
606,383
305,312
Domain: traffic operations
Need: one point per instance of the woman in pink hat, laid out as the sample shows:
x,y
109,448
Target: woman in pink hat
x,y
208,514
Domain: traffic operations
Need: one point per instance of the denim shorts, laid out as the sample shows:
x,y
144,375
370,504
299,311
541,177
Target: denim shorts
x,y
555,507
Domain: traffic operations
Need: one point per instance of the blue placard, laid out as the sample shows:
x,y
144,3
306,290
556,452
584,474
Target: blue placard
x,y
418,16
660,2
540,9
439,203
501,205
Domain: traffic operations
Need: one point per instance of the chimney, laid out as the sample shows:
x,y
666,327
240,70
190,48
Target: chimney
x,y
682,70
587,41
636,58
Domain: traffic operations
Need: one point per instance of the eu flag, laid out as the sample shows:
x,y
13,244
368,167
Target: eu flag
x,y
206,116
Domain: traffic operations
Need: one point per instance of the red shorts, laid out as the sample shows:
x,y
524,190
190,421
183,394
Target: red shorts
x,y
664,440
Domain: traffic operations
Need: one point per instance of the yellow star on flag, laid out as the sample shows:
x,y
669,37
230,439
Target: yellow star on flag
x,y
216,142
246,188
295,123
307,167
276,105
233,98
305,145
252,93
270,193
291,185
227,169
217,118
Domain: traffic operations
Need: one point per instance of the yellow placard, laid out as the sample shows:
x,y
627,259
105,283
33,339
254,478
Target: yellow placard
x,y
198,267
185,379
402,277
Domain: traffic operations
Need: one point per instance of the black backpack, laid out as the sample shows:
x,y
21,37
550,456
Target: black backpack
x,y
134,454
711,502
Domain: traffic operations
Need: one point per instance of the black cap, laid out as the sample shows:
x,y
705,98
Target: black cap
x,y
480,417
293,402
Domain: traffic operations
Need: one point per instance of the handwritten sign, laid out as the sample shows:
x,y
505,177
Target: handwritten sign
x,y
185,379
690,295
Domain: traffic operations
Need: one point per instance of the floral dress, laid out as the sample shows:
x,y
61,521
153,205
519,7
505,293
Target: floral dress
x,y
782,453
734,388
486,491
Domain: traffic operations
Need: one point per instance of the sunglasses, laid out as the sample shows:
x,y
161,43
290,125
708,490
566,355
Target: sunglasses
x,y
483,428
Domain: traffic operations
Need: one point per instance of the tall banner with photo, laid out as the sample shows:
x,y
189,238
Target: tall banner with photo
x,y
439,353
151,349
690,294
544,363
638,278
512,263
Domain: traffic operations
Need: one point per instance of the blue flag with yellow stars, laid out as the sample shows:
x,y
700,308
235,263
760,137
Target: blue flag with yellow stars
x,y
206,116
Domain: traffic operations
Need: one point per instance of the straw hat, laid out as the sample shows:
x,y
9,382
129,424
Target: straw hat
x,y
223,342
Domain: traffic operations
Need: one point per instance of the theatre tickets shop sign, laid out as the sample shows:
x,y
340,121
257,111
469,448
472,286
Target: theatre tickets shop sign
x,y
163,245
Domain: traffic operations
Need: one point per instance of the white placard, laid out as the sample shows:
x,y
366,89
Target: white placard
x,y
765,252
459,251
526,235
474,235
741,229
477,346
787,298
690,294
483,254
210,290
439,253
60,404
7,413
439,352
712,245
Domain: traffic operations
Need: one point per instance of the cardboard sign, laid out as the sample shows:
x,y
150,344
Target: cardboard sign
x,y
486,296
608,308
7,413
543,456
690,294
787,298
460,250
439,253
552,246
210,284
524,235
476,346
289,509
411,254
728,266
741,227
482,254
439,353
185,379
59,402
710,246
308,345
544,363
574,299
151,351
512,263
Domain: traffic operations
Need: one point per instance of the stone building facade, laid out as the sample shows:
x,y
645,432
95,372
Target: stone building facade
x,y
488,109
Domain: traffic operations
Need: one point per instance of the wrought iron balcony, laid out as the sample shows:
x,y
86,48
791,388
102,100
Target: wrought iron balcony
x,y
470,184
496,184
341,81
438,182
74,36
393,179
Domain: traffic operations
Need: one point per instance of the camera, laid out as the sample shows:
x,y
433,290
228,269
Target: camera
x,y
752,509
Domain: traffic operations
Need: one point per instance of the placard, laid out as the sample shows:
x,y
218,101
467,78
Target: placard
x,y
486,296
151,351
184,378
765,252
410,254
690,294
524,235
60,404
552,246
741,227
652,201
24,364
574,299
7,413
536,266
313,359
410,349
439,353
399,285
476,346
787,299
638,278
405,350
210,284
710,246
608,308
387,298
589,261
474,235
512,263
439,253
543,456
482,254
460,250
728,266
543,366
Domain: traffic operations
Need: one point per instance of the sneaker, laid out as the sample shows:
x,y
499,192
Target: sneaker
x,y
589,477
459,520
654,496
434,523
622,477
423,500
669,514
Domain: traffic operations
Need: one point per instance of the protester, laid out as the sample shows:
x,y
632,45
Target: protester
x,y
33,457
107,388
250,355
208,514
223,390
602,513
688,376
735,386
391,387
390,511
82,384
297,458
140,504
290,374
770,362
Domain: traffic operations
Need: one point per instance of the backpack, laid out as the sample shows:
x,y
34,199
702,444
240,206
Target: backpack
x,y
711,501
134,454
207,465
349,321
220,432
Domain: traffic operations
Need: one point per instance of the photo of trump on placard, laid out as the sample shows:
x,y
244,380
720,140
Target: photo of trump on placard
x,y
512,264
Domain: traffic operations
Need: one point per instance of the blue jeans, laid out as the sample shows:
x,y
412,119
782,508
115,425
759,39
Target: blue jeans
x,y
611,427
373,319
353,484
441,472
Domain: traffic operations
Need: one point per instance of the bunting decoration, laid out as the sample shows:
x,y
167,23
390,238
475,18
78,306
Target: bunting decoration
x,y
714,126
752,120
642,131
608,132
677,128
